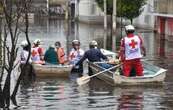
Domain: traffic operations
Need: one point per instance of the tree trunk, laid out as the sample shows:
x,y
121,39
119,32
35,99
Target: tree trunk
x,y
2,104
6,90
131,21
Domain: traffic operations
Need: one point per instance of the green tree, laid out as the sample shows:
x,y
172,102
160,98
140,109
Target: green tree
x,y
128,9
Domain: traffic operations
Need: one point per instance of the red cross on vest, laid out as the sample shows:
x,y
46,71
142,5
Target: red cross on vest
x,y
33,53
133,43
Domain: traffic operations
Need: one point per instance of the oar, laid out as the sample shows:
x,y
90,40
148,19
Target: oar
x,y
101,62
86,79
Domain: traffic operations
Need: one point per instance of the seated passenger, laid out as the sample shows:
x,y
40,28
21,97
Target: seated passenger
x,y
37,53
50,56
60,52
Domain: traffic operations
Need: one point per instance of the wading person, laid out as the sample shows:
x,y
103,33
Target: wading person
x,y
60,52
75,55
28,71
131,50
94,55
24,53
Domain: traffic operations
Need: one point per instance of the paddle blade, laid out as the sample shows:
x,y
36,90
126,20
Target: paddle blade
x,y
83,80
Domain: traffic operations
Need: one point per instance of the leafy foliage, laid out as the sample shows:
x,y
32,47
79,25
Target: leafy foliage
x,y
128,9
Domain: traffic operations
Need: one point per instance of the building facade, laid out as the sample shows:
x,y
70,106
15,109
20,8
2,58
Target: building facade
x,y
146,19
90,12
164,16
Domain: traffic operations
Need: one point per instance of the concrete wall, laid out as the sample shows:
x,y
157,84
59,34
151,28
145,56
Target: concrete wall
x,y
90,12
146,19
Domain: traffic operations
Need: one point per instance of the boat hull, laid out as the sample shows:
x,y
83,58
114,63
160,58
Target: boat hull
x,y
52,70
157,77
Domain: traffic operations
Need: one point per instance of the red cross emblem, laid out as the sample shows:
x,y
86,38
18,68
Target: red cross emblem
x,y
133,43
33,53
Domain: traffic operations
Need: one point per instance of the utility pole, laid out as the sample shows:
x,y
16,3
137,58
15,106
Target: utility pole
x,y
76,9
1,49
67,10
47,6
105,24
105,15
114,25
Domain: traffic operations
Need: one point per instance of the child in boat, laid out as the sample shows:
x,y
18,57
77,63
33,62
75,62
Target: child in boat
x,y
75,55
131,52
50,56
60,52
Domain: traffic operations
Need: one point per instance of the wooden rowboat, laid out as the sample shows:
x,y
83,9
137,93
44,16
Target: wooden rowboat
x,y
152,75
52,70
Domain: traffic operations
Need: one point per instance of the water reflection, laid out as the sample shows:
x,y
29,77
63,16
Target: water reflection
x,y
131,100
64,94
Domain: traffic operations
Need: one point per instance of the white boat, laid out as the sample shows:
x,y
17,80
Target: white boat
x,y
52,70
152,75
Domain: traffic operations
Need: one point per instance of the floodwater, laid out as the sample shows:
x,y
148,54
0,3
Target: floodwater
x,y
64,94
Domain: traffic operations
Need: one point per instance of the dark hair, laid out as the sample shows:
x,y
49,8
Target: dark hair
x,y
92,46
57,44
130,31
26,48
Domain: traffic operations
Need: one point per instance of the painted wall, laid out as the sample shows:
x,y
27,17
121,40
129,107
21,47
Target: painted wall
x,y
164,25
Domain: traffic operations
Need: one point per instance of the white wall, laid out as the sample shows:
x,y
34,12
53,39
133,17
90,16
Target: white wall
x,y
88,8
146,19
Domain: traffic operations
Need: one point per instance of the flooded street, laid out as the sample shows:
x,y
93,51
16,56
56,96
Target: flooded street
x,y
64,94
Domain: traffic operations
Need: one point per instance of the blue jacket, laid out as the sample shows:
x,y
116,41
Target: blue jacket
x,y
93,55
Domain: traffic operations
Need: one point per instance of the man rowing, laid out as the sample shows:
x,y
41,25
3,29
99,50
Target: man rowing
x,y
94,55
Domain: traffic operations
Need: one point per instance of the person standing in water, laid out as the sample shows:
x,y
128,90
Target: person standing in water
x,y
75,55
131,50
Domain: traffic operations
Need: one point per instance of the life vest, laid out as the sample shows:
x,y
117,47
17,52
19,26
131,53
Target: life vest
x,y
35,56
75,55
132,47
61,55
